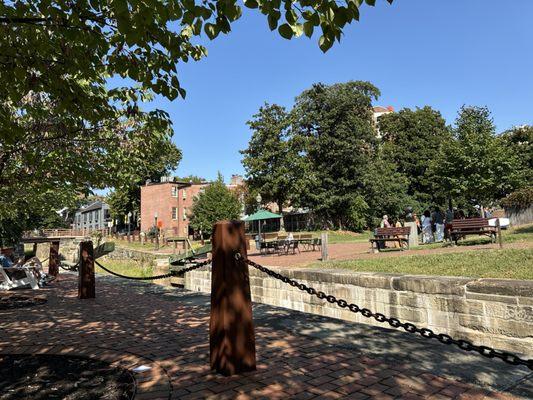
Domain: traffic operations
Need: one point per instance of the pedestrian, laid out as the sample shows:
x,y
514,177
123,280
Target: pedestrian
x,y
427,227
438,220
448,224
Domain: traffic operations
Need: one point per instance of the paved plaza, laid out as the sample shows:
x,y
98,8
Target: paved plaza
x,y
299,356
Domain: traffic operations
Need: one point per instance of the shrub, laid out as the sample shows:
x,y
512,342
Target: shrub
x,y
520,199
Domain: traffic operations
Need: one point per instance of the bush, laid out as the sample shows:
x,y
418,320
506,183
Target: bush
x,y
520,199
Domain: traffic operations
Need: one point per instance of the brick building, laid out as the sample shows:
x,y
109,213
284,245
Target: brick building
x,y
171,201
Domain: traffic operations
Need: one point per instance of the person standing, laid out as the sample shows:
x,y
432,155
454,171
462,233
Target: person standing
x,y
439,225
427,227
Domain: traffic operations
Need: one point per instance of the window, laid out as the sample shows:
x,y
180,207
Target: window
x,y
184,213
174,191
174,212
184,194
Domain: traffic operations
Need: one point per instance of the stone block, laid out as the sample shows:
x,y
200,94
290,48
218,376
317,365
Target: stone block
x,y
492,298
456,305
408,314
504,287
430,284
509,312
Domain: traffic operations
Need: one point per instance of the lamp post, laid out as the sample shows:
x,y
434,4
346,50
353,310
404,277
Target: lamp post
x,y
129,224
156,232
258,198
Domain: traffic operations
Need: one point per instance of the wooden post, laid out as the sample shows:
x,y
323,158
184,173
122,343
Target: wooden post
x,y
86,281
53,259
499,230
324,240
231,330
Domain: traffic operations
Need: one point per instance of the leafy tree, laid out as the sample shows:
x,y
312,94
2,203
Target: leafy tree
x,y
271,160
520,138
385,190
50,158
215,203
191,178
333,126
151,162
142,41
477,166
412,139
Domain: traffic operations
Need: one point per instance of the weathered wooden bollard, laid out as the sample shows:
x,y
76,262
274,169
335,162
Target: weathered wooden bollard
x,y
53,259
86,279
231,330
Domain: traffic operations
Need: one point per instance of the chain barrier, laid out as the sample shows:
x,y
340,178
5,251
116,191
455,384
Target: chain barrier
x,y
156,277
427,333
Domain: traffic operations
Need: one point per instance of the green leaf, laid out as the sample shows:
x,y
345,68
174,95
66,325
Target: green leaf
x,y
211,31
308,29
272,21
285,31
324,43
251,3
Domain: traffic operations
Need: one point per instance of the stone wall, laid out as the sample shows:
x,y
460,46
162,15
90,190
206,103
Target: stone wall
x,y
492,312
68,249
121,253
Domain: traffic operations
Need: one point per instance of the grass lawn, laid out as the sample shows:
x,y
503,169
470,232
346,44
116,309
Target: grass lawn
x,y
126,267
522,234
490,263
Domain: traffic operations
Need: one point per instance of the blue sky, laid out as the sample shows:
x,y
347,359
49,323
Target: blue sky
x,y
417,52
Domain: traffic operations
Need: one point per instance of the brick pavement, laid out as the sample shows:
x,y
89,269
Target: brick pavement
x,y
131,327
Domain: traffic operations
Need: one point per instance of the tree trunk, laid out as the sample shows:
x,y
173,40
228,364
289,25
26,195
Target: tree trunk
x,y
281,222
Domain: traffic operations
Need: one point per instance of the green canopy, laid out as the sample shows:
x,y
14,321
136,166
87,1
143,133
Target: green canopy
x,y
260,215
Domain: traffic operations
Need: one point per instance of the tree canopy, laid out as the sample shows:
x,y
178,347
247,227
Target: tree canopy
x,y
271,159
411,139
333,125
215,203
477,166
351,171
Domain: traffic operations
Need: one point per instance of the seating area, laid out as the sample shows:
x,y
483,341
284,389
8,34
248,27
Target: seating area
x,y
399,236
283,243
472,226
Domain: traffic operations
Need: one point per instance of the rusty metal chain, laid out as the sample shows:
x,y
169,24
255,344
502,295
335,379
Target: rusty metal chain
x,y
156,277
427,333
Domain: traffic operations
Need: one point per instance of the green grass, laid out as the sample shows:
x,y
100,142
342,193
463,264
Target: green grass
x,y
490,263
346,237
522,234
128,268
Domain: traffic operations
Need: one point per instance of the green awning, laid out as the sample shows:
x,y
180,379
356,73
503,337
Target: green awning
x,y
261,215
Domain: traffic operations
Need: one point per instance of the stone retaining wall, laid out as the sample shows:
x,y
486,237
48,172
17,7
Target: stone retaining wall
x,y
492,312
121,253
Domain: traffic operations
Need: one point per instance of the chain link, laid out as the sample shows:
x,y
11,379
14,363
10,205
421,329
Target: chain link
x,y
156,277
427,333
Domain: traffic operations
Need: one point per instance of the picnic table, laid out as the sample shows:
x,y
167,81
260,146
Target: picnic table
x,y
282,244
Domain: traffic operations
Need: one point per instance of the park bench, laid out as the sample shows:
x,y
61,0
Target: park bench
x,y
392,234
472,226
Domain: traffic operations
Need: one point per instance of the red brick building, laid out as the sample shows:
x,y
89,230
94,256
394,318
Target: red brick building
x,y
171,202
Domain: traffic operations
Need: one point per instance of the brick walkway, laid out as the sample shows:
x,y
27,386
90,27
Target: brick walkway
x,y
131,325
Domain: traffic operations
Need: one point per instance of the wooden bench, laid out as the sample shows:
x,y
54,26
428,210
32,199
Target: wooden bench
x,y
393,234
472,226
